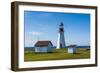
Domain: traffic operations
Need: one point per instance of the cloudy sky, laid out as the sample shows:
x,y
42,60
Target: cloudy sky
x,y
44,26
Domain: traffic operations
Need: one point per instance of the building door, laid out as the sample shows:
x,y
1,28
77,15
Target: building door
x,y
60,45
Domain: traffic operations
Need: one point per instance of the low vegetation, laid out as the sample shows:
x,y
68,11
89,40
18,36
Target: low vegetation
x,y
57,54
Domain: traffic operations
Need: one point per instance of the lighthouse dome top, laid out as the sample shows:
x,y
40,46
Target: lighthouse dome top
x,y
61,24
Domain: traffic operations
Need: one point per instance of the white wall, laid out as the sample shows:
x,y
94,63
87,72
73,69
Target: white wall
x,y
41,49
5,28
72,50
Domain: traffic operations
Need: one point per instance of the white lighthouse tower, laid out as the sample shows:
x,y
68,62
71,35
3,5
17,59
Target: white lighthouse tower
x,y
61,39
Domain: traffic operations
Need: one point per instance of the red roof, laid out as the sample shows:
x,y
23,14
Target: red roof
x,y
42,43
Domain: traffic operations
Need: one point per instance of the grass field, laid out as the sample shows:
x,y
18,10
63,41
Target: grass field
x,y
57,54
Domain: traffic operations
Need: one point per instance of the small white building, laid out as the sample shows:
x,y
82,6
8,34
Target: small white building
x,y
43,46
72,49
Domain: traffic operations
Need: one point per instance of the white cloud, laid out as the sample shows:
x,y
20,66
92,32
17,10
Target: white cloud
x,y
32,37
36,33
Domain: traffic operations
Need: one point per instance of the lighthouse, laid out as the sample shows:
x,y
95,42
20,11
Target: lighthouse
x,y
61,39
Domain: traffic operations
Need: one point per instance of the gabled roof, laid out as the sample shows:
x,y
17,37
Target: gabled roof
x,y
72,46
42,43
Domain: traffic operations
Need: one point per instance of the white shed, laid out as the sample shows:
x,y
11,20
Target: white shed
x,y
43,46
72,49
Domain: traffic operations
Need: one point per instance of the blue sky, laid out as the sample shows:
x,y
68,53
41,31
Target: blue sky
x,y
44,26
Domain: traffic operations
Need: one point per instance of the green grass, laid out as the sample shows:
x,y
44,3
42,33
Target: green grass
x,y
57,54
